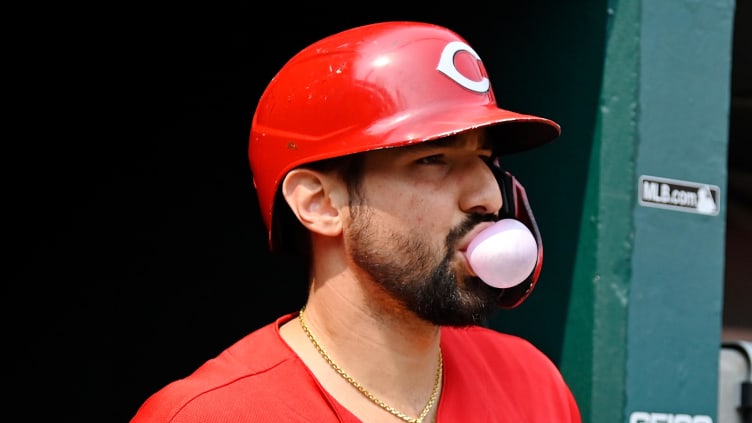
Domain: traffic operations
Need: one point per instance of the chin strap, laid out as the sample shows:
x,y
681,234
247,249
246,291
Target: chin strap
x,y
516,206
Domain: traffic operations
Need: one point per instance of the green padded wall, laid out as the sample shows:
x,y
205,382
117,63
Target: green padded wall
x,y
676,288
630,199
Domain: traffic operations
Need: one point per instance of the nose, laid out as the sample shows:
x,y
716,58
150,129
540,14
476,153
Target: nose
x,y
480,193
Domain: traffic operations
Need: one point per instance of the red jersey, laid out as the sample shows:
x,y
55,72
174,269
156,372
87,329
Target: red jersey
x,y
488,377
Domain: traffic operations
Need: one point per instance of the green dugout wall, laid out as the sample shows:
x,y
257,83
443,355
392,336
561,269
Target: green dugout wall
x,y
630,199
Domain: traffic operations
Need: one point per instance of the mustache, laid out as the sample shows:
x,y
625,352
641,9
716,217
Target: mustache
x,y
471,221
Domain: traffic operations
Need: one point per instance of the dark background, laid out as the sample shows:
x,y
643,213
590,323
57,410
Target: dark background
x,y
134,246
133,240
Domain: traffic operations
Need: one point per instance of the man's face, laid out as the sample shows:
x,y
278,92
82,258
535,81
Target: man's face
x,y
411,221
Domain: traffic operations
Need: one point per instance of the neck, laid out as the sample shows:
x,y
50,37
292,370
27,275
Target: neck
x,y
390,352
367,318
424,412
346,303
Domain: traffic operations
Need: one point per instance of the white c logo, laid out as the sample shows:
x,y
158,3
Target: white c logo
x,y
447,67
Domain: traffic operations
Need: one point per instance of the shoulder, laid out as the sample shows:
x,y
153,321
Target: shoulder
x,y
497,350
483,366
255,370
486,341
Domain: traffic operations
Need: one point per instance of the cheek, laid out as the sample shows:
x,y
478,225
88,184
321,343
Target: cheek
x,y
417,207
427,213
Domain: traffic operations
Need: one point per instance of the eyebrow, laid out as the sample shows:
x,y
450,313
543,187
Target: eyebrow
x,y
452,141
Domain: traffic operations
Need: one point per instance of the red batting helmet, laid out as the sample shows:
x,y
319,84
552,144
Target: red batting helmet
x,y
380,85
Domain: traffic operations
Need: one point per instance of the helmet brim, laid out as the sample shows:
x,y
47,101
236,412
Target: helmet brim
x,y
511,132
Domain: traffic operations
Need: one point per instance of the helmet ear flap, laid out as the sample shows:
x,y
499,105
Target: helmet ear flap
x,y
515,205
508,196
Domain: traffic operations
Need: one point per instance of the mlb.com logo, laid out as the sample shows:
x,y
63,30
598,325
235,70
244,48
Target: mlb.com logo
x,y
679,195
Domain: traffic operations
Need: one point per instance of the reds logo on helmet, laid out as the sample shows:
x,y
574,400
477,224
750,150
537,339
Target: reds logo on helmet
x,y
448,68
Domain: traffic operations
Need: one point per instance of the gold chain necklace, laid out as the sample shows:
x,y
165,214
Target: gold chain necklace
x,y
365,392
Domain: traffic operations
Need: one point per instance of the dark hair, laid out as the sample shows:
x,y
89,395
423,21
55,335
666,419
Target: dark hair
x,y
290,237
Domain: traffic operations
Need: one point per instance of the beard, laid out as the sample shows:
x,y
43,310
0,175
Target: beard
x,y
424,279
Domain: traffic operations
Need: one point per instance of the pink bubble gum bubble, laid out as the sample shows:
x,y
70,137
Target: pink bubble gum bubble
x,y
504,254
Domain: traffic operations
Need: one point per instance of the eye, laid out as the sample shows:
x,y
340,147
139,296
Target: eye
x,y
432,159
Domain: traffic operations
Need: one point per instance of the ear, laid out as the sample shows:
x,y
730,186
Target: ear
x,y
312,196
